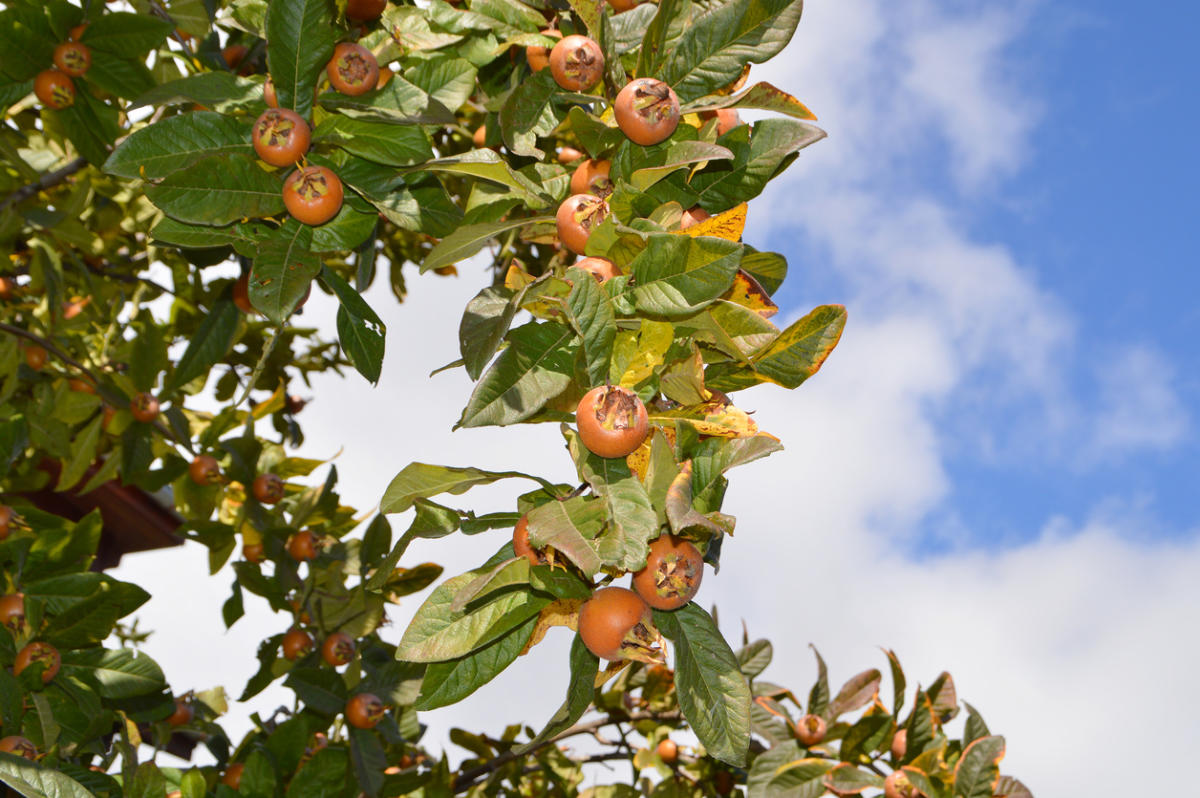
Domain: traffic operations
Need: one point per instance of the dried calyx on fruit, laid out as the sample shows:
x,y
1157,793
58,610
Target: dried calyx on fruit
x,y
577,217
577,63
616,624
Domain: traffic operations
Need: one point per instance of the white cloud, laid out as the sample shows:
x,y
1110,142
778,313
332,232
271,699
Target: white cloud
x,y
1039,637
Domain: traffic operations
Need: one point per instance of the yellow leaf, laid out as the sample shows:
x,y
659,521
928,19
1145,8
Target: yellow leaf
x,y
563,612
747,292
728,225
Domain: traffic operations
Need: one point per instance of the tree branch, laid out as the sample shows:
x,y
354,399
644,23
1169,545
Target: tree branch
x,y
48,180
468,778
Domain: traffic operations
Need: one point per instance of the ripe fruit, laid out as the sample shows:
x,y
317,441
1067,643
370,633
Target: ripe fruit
x,y
591,177
8,287
76,33
897,785
12,612
727,119
385,77
602,269
233,776
182,715
73,58
577,217
304,546
205,470
294,404
539,56
38,651
612,421
615,624
269,97
668,751
692,217
252,552
479,137
54,89
364,711
810,730
521,545
21,746
6,515
267,488
338,649
234,55
313,194
899,744
81,385
671,578
577,63
568,155
364,10
281,137
622,5
723,782
241,294
647,111
144,407
296,643
35,357
353,69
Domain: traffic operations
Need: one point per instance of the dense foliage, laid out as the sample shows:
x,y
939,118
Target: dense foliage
x,y
595,154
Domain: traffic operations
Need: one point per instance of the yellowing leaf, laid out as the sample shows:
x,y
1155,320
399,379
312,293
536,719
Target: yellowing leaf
x,y
639,461
516,278
563,612
747,292
728,225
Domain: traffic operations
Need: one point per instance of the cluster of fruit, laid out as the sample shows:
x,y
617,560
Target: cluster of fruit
x,y
54,87
37,654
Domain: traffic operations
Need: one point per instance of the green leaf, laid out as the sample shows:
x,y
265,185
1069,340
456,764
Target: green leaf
x,y
714,696
124,34
768,268
759,154
899,683
189,236
528,112
467,240
754,658
797,354
83,454
484,324
818,696
661,162
720,38
978,768
381,142
397,103
632,521
34,781
592,315
676,276
219,190
211,342
537,366
846,779
178,142
446,79
220,91
760,95
975,725
422,480
91,125
369,759
784,772
326,774
301,36
90,621
118,675
320,689
569,526
283,271
449,682
360,329
120,76
438,633
489,166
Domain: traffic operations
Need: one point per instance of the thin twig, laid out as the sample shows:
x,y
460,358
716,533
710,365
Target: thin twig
x,y
48,180
468,778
